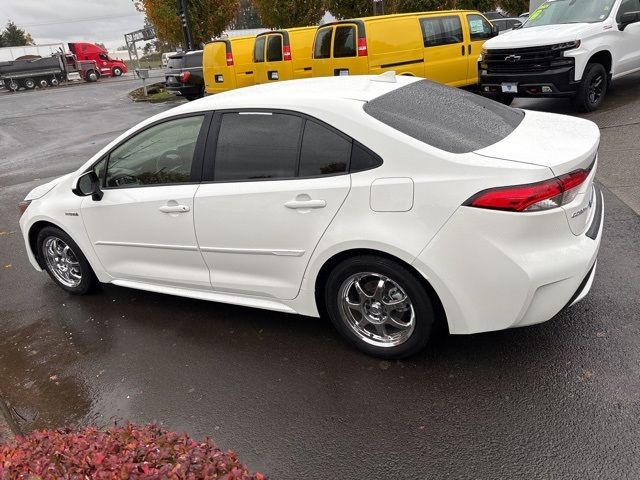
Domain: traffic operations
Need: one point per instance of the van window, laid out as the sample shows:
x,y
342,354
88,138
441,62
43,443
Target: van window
x,y
324,152
258,50
260,145
479,27
274,48
447,118
441,31
322,47
344,42
158,155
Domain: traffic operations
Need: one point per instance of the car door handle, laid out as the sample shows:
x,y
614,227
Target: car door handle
x,y
174,208
305,204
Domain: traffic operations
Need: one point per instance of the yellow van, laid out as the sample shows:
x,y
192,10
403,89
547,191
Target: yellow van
x,y
228,64
283,54
443,46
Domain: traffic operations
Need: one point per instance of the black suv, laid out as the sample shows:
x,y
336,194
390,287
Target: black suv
x,y
183,75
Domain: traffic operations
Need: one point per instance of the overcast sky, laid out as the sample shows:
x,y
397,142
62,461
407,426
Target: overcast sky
x,y
53,21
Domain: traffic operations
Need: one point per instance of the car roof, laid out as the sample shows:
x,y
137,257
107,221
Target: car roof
x,y
304,92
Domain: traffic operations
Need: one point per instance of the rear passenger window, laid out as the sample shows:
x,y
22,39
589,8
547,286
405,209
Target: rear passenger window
x,y
274,48
257,145
193,60
344,42
362,159
479,27
441,31
322,47
324,152
258,50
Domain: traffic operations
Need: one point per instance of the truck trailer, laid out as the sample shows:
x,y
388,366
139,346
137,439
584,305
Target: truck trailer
x,y
30,70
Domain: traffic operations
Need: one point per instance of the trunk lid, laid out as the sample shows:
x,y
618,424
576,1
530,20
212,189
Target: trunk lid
x,y
561,143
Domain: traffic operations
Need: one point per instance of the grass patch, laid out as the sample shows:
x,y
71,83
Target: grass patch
x,y
156,94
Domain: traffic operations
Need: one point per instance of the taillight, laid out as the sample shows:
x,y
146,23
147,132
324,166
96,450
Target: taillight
x,y
286,51
532,197
184,76
229,59
362,47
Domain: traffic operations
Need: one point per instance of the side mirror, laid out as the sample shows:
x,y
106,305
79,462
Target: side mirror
x,y
628,18
494,31
518,26
89,184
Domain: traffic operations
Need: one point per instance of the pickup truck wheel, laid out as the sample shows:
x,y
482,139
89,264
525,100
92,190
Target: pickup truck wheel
x,y
117,71
29,83
593,88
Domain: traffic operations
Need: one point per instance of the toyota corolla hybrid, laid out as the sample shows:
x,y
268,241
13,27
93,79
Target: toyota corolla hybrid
x,y
387,203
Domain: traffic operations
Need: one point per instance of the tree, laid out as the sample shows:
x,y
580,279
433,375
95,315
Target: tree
x,y
15,37
514,7
208,18
290,13
247,16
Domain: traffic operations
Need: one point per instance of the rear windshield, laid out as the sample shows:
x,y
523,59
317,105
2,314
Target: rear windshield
x,y
447,118
193,60
175,62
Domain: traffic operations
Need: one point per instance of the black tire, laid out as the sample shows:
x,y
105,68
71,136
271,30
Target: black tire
x,y
117,71
191,98
401,283
12,85
29,83
91,76
87,278
593,88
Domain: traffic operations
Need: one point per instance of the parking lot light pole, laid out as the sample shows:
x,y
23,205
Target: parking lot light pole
x,y
183,13
375,7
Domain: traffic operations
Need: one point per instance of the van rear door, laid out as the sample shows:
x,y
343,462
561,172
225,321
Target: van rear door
x,y
445,52
349,50
478,30
322,62
276,67
219,72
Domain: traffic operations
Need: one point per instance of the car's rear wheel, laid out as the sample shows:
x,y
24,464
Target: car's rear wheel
x,y
593,88
64,261
379,306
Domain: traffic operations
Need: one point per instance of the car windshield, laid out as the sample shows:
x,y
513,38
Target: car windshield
x,y
555,12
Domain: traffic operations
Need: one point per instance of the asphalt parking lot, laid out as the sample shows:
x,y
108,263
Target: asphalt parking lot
x,y
558,400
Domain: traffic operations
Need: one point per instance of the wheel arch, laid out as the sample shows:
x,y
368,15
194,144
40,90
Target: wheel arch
x,y
603,57
34,230
330,263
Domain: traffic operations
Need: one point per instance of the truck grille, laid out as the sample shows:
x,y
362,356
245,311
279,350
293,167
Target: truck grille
x,y
524,60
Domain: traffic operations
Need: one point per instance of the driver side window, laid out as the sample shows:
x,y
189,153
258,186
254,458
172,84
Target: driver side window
x,y
162,154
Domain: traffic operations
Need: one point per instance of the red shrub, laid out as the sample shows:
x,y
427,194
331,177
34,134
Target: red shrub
x,y
129,452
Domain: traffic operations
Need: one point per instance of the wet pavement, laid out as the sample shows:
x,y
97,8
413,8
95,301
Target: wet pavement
x,y
559,400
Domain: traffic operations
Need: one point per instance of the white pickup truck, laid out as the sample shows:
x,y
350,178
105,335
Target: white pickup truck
x,y
567,48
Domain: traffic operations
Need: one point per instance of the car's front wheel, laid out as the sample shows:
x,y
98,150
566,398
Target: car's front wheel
x,y
593,88
64,261
379,306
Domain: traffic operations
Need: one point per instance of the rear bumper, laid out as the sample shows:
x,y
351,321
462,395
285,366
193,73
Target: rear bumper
x,y
497,270
184,90
559,81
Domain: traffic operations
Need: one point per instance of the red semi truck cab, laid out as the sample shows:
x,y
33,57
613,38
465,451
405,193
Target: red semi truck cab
x,y
107,66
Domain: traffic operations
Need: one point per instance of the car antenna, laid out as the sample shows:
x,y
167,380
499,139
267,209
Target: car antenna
x,y
387,77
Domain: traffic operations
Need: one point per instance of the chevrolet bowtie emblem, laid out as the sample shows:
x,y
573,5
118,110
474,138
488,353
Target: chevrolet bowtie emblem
x,y
512,58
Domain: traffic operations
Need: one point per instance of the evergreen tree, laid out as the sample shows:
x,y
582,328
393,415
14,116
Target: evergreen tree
x,y
15,37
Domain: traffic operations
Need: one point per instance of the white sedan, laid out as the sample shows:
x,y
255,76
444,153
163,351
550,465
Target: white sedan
x,y
387,203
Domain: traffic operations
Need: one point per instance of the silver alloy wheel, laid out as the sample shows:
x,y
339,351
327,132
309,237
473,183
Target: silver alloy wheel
x,y
62,262
377,309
